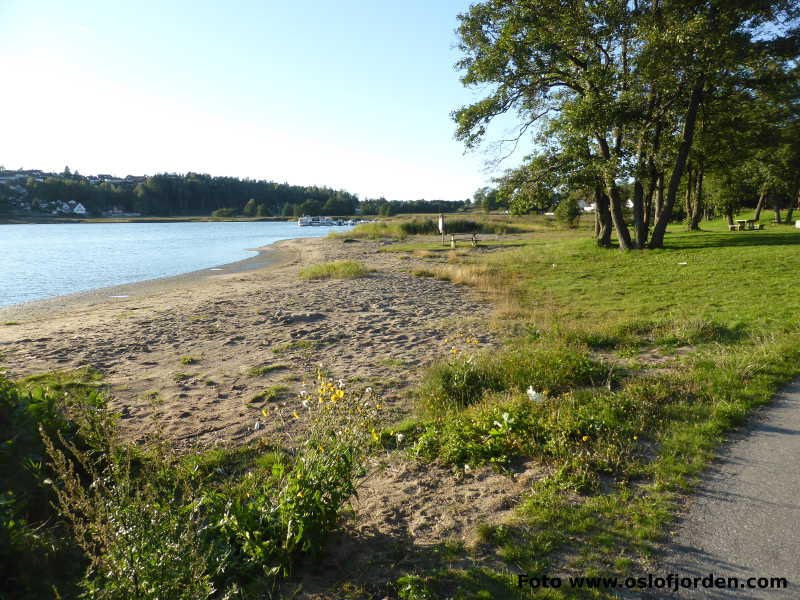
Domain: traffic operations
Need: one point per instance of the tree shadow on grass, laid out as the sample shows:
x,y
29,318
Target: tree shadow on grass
x,y
738,239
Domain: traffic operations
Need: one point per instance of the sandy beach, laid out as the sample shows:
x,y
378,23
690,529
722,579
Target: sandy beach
x,y
377,330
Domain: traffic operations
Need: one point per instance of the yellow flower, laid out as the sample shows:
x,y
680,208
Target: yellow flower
x,y
636,437
375,436
445,340
295,415
264,411
585,438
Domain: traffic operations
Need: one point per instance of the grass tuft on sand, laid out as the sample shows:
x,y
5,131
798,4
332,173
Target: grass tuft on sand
x,y
340,269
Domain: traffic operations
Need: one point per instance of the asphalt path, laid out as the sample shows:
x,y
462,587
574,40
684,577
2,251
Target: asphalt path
x,y
744,519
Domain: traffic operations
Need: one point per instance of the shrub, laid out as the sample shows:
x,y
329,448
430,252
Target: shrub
x,y
568,212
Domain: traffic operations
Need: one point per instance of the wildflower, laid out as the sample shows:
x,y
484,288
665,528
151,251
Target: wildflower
x,y
295,415
636,437
375,436
585,438
453,350
399,437
533,395
303,393
264,412
368,391
305,404
467,468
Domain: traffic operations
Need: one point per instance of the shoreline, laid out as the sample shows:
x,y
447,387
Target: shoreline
x,y
267,256
195,358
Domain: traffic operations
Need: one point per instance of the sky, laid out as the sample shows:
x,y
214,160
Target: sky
x,y
351,94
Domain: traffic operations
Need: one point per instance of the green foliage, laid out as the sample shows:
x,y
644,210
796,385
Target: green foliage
x,y
341,269
155,525
224,213
547,367
568,212
63,405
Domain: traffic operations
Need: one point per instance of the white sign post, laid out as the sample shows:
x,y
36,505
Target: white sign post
x,y
441,226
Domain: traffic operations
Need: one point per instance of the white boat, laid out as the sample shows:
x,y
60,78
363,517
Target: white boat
x,y
304,221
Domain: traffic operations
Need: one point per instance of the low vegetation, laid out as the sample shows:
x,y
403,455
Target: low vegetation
x,y
401,229
148,523
341,269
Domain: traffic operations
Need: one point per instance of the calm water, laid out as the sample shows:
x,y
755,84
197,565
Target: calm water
x,y
42,261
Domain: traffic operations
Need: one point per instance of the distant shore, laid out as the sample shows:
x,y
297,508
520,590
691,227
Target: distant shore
x,y
19,220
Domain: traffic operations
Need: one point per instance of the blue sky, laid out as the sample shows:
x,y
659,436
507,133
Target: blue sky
x,y
353,94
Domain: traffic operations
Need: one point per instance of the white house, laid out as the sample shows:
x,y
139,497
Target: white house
x,y
79,209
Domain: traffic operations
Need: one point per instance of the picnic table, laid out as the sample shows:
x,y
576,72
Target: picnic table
x,y
746,224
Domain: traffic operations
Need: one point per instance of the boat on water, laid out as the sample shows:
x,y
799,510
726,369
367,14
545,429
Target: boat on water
x,y
327,222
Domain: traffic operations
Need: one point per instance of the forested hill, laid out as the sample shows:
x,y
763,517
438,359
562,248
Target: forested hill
x,y
189,194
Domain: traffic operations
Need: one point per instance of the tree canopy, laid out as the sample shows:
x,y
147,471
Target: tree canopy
x,y
619,91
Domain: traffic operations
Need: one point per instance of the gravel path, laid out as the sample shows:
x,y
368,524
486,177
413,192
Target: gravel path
x,y
743,520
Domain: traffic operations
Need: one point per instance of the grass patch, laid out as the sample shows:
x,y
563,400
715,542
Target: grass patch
x,y
342,269
264,369
269,394
188,360
546,367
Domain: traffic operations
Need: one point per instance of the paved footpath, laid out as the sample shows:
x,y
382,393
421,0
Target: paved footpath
x,y
744,520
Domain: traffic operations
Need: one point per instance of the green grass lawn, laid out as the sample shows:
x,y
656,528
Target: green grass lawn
x,y
716,309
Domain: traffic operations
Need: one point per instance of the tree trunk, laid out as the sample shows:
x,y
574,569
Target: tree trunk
x,y
729,215
659,205
657,239
612,190
760,205
602,216
689,192
777,205
697,213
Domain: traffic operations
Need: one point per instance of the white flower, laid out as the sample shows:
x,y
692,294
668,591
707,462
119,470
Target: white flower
x,y
368,391
467,468
257,426
303,393
305,403
340,382
533,395
400,437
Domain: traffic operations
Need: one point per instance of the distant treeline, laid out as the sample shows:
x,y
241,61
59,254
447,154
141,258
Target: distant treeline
x,y
198,194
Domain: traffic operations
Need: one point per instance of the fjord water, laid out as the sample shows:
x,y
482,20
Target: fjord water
x,y
43,261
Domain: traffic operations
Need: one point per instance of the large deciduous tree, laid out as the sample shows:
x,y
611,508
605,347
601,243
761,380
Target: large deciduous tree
x,y
620,86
